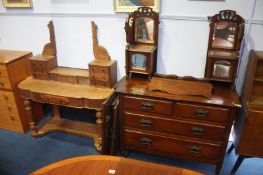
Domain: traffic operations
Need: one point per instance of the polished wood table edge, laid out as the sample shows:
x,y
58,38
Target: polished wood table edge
x,y
114,163
95,93
231,97
8,56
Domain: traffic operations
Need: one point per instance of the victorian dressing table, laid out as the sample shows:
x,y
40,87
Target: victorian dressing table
x,y
70,87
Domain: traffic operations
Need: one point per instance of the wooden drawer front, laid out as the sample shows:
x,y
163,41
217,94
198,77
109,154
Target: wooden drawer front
x,y
38,64
3,71
192,129
148,105
170,146
58,100
99,73
201,112
7,98
5,83
84,80
100,83
9,109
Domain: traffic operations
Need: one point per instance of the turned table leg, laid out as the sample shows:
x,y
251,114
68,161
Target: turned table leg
x,y
32,123
99,121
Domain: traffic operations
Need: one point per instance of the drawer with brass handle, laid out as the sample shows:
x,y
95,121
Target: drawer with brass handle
x,y
159,144
5,83
147,105
7,97
3,71
174,126
201,112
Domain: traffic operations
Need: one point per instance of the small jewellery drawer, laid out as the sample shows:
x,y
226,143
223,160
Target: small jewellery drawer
x,y
3,71
99,73
5,83
99,69
37,64
163,145
148,105
57,100
201,112
178,127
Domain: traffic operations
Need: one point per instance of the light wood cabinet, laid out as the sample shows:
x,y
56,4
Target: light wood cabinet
x,y
14,67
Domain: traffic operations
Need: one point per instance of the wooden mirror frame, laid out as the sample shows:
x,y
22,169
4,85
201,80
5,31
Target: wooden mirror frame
x,y
227,16
228,54
130,25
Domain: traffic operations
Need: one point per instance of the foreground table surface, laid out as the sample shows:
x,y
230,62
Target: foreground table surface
x,y
104,165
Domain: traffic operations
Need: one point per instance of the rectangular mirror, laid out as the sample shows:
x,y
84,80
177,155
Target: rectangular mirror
x,y
144,30
224,35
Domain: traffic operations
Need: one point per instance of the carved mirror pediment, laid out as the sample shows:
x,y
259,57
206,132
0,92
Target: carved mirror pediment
x,y
226,30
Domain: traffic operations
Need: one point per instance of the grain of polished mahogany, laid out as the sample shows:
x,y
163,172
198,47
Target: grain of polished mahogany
x,y
104,165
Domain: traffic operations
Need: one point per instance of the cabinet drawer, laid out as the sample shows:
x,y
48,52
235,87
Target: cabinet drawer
x,y
5,83
7,97
100,83
58,100
158,144
38,64
99,73
9,109
147,105
178,127
99,69
3,71
201,112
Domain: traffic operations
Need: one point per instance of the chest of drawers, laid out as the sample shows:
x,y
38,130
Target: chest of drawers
x,y
185,127
14,67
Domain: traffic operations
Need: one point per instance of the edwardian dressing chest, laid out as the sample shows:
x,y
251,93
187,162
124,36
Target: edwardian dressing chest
x,y
187,127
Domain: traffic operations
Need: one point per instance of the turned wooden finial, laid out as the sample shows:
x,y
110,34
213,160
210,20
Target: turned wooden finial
x,y
50,48
100,52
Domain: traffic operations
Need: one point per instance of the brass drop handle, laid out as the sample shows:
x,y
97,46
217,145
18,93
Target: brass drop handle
x,y
9,108
200,113
11,118
146,141
5,97
198,131
147,106
194,149
146,123
2,84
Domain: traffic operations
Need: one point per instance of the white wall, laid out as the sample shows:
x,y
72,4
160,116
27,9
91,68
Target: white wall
x,y
183,31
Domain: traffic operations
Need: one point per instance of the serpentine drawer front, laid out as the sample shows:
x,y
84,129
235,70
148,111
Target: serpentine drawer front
x,y
184,127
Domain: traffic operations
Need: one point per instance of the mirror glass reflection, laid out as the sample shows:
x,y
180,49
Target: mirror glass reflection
x,y
144,30
222,69
139,61
224,35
